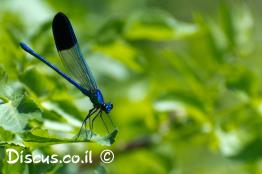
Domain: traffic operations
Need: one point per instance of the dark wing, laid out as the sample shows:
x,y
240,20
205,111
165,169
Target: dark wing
x,y
69,52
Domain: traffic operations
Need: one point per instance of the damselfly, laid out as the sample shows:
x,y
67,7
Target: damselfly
x,y
79,73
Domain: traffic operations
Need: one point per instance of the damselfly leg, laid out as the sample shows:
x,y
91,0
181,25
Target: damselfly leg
x,y
104,122
90,113
101,116
111,121
91,122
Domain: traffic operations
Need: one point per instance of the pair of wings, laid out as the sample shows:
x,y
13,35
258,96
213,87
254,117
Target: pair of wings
x,y
70,54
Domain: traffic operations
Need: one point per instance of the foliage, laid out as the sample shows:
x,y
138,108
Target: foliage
x,y
182,91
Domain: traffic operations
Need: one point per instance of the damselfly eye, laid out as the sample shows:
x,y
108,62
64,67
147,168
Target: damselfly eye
x,y
108,107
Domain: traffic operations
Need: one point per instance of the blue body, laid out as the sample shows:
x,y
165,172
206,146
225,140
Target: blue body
x,y
96,96
79,73
30,51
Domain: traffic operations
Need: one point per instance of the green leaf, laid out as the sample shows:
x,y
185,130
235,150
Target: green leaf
x,y
156,25
16,167
18,110
109,31
237,25
100,170
27,105
3,75
68,106
251,152
107,140
36,81
121,51
39,137
57,112
52,115
5,135
12,120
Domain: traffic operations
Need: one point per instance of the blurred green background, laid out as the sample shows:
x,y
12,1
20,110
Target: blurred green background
x,y
184,78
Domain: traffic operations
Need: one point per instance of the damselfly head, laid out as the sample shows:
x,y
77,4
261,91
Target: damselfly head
x,y
107,107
